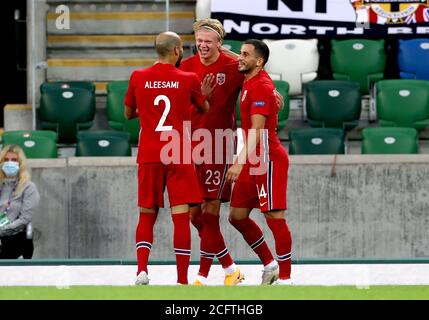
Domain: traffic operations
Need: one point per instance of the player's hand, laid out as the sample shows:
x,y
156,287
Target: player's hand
x,y
208,85
280,100
233,172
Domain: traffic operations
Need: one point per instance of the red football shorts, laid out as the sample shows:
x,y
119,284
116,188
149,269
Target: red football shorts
x,y
266,191
180,180
212,179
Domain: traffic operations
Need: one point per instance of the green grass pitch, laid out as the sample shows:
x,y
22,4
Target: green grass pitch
x,y
215,293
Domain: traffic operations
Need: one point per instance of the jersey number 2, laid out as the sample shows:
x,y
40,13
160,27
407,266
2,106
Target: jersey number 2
x,y
160,126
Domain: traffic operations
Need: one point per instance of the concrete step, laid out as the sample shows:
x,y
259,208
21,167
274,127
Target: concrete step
x,y
127,22
98,65
102,53
120,3
105,69
108,41
82,2
94,6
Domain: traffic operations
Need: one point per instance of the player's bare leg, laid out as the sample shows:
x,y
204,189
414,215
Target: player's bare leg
x,y
144,240
182,241
283,242
252,234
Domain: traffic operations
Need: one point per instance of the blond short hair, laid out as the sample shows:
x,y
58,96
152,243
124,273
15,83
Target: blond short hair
x,y
210,24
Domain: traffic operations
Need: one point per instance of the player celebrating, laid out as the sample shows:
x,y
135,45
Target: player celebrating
x,y
212,63
161,95
261,184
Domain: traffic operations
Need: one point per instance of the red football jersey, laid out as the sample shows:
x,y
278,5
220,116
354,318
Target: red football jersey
x,y
222,103
258,97
162,94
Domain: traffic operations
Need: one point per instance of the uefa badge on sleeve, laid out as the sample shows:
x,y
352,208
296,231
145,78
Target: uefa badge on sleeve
x,y
220,78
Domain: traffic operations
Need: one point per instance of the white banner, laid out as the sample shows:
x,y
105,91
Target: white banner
x,y
322,18
336,10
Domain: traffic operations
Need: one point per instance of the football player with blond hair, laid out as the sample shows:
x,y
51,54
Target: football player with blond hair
x,y
212,62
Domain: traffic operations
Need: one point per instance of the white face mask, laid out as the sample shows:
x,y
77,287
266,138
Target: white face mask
x,y
10,168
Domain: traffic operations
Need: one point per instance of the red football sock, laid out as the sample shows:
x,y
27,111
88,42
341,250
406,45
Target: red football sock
x,y
212,244
223,254
208,245
254,238
182,245
283,240
144,239
219,246
197,220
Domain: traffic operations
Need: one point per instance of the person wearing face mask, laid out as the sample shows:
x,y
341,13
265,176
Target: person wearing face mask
x,y
18,199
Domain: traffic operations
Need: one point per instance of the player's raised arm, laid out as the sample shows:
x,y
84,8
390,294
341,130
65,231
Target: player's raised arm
x,y
229,53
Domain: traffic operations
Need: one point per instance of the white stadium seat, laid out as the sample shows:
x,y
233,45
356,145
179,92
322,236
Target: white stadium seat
x,y
293,60
203,9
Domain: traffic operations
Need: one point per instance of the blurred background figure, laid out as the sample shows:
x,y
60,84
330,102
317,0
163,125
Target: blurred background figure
x,y
18,199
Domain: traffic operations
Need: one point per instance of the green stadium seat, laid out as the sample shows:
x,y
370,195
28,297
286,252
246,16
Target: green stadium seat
x,y
34,143
389,140
102,133
332,104
66,112
29,133
64,85
360,60
103,143
47,86
116,91
316,141
233,45
283,88
132,126
402,103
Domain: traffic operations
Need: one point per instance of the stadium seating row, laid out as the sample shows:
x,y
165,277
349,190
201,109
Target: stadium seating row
x,y
68,108
379,140
296,61
337,103
90,143
105,143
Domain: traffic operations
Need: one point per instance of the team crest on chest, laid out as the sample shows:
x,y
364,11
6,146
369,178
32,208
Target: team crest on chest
x,y
243,95
220,78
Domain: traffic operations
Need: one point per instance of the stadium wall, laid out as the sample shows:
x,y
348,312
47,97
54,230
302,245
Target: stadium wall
x,y
354,206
